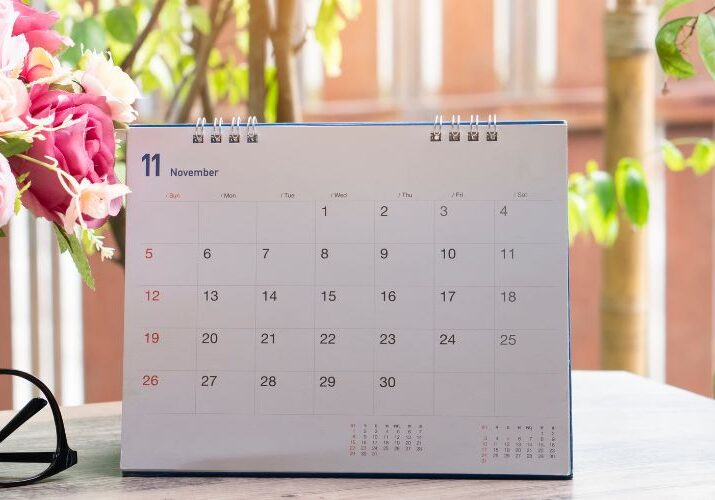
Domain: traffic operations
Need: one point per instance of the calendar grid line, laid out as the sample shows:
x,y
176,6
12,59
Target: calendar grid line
x,y
494,340
374,293
315,277
434,310
198,271
356,200
255,320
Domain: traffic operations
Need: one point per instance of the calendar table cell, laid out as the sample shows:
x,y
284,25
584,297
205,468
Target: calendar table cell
x,y
404,307
226,264
225,306
160,391
530,351
162,348
404,222
288,350
459,264
463,350
460,221
284,393
408,350
284,306
159,221
461,394
286,222
343,393
526,222
224,349
224,392
164,263
404,264
464,308
532,394
227,222
344,307
338,264
170,306
344,221
344,350
285,264
530,264
402,393
536,307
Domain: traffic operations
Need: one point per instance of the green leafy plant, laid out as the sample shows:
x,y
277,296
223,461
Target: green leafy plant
x,y
595,197
674,37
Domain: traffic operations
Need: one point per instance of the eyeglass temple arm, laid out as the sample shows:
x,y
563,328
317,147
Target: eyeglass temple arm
x,y
30,457
28,411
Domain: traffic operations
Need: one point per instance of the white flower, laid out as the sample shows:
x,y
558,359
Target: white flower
x,y
13,49
13,104
101,77
8,192
93,200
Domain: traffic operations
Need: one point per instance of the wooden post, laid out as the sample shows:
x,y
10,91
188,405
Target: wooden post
x,y
630,129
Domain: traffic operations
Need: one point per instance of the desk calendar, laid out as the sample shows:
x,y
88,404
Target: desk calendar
x,y
347,299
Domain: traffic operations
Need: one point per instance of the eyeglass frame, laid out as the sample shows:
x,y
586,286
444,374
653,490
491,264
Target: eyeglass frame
x,y
61,459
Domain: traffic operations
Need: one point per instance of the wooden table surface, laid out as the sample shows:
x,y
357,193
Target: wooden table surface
x,y
632,438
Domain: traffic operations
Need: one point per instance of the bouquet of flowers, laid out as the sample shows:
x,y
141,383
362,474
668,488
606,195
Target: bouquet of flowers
x,y
57,132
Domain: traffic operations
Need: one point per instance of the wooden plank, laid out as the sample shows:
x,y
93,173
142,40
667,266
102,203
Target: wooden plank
x,y
5,346
103,314
633,438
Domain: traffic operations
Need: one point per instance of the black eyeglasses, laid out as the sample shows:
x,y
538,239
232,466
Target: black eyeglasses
x,y
24,458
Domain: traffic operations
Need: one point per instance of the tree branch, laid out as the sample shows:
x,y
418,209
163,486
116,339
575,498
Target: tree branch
x,y
288,109
131,56
220,21
259,25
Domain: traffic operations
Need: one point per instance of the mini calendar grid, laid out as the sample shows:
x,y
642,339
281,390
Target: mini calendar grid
x,y
347,299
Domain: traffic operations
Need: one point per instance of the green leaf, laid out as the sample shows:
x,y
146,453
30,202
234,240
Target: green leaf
x,y
87,34
10,146
673,157
121,24
2,233
327,33
670,5
18,198
705,31
578,218
604,190
669,53
70,243
350,8
200,18
604,227
633,191
702,159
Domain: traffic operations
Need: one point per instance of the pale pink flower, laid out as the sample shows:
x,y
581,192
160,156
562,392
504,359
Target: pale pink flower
x,y
94,200
8,192
101,77
13,49
14,102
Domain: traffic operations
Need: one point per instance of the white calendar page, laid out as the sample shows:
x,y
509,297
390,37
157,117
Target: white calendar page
x,y
350,299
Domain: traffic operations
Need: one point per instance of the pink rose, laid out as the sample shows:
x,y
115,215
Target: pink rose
x,y
37,28
8,192
85,150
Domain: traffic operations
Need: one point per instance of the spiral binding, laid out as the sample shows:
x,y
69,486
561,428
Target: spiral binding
x,y
455,129
234,130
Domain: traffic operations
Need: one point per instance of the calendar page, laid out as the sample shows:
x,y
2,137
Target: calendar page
x,y
347,299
